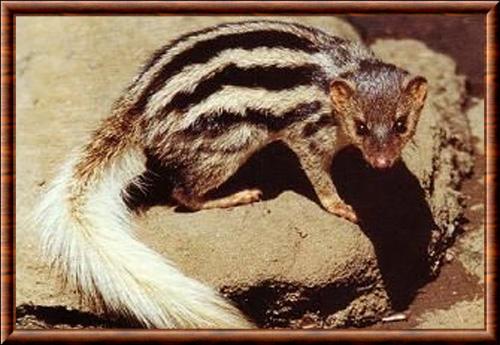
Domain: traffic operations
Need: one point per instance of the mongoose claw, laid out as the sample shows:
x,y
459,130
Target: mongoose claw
x,y
343,210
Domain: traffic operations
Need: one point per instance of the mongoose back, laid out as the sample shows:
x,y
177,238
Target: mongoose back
x,y
202,106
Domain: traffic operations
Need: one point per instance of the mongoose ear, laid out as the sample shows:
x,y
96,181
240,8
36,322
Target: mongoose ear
x,y
341,92
416,88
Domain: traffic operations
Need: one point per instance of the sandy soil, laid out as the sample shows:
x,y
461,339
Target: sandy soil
x,y
52,120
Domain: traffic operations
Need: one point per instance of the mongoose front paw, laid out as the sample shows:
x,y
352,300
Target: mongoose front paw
x,y
343,210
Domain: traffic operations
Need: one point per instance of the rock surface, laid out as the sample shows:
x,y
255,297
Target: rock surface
x,y
284,261
475,115
461,315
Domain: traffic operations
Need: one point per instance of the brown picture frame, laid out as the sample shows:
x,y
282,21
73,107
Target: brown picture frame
x,y
11,9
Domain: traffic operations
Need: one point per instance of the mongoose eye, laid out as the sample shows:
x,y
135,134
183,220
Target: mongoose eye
x,y
400,125
361,129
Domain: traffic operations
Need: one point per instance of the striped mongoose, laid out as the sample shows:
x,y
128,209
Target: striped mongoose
x,y
202,105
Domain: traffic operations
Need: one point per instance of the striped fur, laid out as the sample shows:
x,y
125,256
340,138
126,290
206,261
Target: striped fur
x,y
202,105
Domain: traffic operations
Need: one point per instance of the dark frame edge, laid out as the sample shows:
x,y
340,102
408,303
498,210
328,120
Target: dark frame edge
x,y
238,7
10,9
492,94
158,336
7,174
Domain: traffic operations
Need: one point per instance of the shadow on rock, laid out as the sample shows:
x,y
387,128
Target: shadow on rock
x,y
28,315
391,204
395,216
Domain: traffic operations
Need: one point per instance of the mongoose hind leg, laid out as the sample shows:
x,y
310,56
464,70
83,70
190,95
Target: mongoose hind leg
x,y
243,197
206,172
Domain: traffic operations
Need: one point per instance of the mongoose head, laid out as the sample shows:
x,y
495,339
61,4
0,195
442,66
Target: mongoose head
x,y
378,107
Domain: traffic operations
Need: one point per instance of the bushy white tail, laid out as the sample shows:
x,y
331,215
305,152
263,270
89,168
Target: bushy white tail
x,y
88,238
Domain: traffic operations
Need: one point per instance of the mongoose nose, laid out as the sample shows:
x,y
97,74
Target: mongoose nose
x,y
381,163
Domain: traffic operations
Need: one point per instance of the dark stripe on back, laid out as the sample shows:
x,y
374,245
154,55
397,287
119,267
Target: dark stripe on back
x,y
204,50
163,50
313,127
271,78
217,123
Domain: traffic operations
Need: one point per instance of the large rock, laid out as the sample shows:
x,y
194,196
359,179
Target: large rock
x,y
284,261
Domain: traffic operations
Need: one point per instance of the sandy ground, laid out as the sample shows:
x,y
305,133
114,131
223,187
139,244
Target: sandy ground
x,y
60,98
